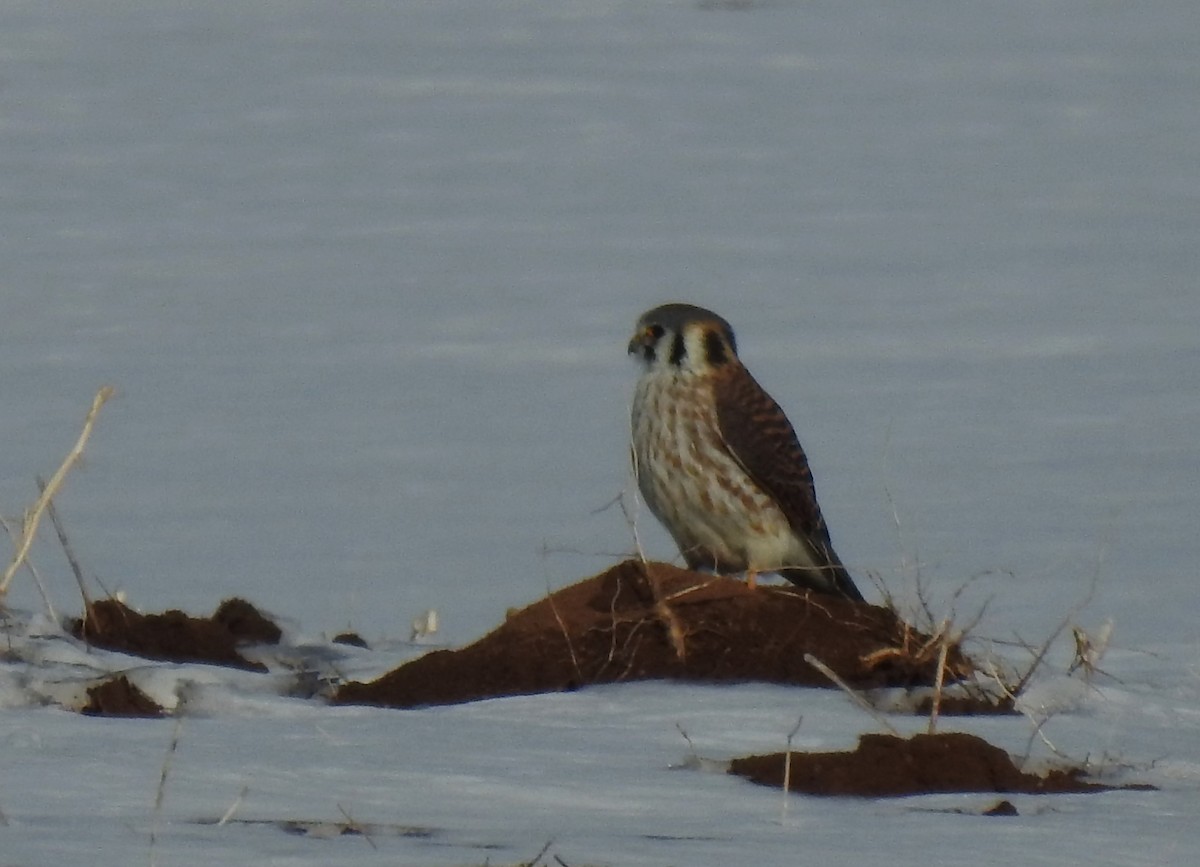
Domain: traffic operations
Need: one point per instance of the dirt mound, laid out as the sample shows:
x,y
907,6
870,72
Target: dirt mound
x,y
246,623
174,636
888,766
118,697
641,621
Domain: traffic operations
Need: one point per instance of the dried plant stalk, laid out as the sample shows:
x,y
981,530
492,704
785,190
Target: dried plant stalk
x,y
34,516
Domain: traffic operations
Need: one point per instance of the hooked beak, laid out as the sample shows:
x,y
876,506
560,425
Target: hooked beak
x,y
641,341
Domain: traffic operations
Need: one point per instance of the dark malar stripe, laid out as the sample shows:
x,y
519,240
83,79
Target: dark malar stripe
x,y
678,351
714,349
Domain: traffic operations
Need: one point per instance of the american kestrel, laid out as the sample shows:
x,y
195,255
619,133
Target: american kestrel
x,y
718,462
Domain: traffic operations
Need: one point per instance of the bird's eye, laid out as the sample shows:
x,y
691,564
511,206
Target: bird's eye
x,y
654,332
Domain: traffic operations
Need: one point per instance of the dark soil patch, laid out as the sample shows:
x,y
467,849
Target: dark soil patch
x,y
653,621
173,635
118,697
1001,808
888,766
246,623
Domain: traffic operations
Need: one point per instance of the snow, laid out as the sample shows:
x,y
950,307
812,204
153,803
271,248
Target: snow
x,y
362,275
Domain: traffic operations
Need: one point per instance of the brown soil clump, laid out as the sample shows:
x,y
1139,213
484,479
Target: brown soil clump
x,y
888,766
171,636
653,621
1001,808
118,697
246,623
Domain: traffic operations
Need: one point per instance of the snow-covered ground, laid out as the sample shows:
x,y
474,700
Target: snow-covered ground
x,y
362,275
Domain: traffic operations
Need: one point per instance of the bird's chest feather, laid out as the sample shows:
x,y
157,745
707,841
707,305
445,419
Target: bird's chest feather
x,y
687,475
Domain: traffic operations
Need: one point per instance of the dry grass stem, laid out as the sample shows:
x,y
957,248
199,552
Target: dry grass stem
x,y
1011,694
938,681
356,827
234,807
34,515
631,521
787,767
671,597
1090,649
566,635
161,791
37,578
1039,655
674,629
850,691
61,532
687,738
540,855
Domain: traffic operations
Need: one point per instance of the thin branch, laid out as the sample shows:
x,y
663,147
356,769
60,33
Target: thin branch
x,y
939,680
850,691
538,857
66,546
34,516
356,827
161,791
566,637
787,767
233,808
37,577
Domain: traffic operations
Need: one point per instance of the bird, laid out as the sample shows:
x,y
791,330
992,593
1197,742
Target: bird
x,y
717,461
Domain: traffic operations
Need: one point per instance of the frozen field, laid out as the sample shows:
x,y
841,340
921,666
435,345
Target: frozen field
x,y
362,275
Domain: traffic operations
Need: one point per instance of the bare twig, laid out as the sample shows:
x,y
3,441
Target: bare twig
x,y
235,806
939,679
1090,649
37,578
52,512
1039,655
1036,724
631,520
161,791
787,767
908,565
356,827
671,597
674,629
691,746
538,857
34,516
566,636
850,691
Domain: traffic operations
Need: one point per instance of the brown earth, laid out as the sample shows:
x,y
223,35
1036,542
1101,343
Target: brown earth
x,y
642,621
888,766
118,697
176,637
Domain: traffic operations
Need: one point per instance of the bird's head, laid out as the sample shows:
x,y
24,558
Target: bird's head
x,y
683,337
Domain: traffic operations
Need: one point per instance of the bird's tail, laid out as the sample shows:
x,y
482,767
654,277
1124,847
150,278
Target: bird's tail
x,y
832,579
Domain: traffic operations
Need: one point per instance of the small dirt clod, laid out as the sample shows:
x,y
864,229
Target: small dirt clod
x,y
118,697
887,766
171,636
